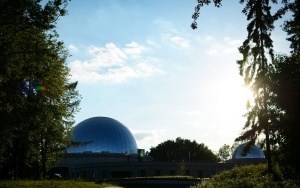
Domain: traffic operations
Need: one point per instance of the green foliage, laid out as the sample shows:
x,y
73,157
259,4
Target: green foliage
x,y
224,152
52,184
274,82
292,26
253,176
181,150
285,76
254,68
37,101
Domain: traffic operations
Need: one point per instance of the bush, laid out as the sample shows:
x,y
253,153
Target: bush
x,y
252,176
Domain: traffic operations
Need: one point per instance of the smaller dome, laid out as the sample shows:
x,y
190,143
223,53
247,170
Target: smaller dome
x,y
255,152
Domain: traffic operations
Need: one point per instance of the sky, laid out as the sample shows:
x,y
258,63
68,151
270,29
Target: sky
x,y
141,63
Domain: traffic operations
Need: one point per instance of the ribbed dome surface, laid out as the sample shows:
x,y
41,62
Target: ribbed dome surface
x,y
103,134
255,152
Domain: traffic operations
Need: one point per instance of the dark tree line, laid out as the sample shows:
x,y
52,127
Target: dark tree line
x,y
37,101
274,80
182,150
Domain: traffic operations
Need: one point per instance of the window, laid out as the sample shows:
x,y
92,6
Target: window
x,y
187,172
200,174
172,172
143,173
104,173
157,173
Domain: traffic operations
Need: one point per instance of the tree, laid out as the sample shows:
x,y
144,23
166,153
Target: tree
x,y
37,100
285,76
254,67
224,152
257,51
274,82
292,26
182,150
286,81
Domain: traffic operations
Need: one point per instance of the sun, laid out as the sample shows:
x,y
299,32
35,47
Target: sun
x,y
232,97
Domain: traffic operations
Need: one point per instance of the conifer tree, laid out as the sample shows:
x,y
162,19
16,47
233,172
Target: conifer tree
x,y
274,81
292,26
257,51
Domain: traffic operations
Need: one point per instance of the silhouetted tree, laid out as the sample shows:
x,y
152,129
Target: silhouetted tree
x,y
181,150
292,26
254,68
257,51
285,76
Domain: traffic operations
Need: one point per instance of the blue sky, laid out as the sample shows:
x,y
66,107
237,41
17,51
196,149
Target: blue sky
x,y
140,63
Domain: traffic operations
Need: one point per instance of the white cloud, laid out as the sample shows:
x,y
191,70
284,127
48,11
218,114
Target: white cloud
x,y
73,48
166,25
147,139
209,38
232,45
177,40
180,41
113,64
212,51
151,42
133,49
107,56
225,46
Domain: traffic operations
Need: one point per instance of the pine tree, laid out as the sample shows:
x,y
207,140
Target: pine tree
x,y
273,111
257,52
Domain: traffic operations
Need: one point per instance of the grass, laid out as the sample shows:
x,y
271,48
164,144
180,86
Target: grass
x,y
71,183
51,184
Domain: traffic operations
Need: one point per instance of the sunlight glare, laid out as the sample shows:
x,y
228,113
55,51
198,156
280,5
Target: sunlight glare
x,y
232,98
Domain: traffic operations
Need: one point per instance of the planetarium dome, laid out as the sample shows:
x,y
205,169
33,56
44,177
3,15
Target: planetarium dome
x,y
103,135
255,152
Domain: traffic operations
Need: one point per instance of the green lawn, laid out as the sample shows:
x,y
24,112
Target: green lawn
x,y
51,184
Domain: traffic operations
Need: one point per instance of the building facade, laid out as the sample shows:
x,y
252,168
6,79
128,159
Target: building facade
x,y
105,148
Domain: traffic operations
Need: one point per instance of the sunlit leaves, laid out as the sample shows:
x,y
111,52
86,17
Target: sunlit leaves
x,y
37,102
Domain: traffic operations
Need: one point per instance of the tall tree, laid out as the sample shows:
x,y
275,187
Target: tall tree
x,y
275,82
254,68
37,101
292,26
257,51
285,76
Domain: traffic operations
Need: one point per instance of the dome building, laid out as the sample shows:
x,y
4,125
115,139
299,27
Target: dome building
x,y
253,156
103,135
105,148
254,153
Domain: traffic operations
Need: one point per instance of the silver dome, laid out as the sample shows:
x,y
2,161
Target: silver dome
x,y
103,135
255,152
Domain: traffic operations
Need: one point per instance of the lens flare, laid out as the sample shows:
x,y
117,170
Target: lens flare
x,y
40,88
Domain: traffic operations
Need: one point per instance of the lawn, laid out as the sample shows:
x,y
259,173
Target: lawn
x,y
51,184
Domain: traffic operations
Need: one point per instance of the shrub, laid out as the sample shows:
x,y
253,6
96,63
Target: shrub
x,y
252,176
